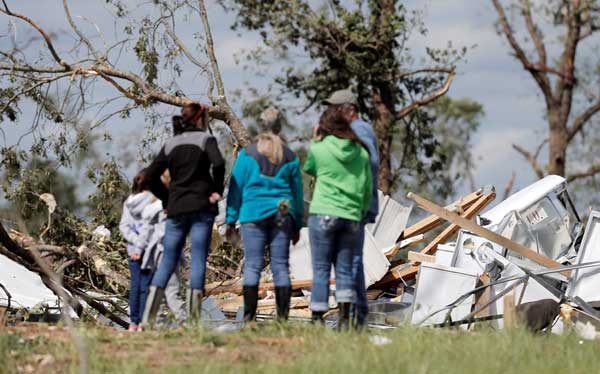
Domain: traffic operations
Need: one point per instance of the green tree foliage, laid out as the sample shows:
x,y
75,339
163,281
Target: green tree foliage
x,y
105,204
27,183
363,45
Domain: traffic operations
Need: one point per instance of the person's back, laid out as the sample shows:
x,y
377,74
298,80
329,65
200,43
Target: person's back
x,y
189,157
343,185
266,197
257,186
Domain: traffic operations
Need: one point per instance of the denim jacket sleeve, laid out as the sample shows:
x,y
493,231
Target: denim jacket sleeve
x,y
368,194
236,187
298,193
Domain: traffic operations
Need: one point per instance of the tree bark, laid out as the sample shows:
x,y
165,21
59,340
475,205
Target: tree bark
x,y
384,117
558,149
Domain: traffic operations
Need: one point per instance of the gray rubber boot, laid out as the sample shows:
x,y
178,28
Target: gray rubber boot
x,y
155,297
194,303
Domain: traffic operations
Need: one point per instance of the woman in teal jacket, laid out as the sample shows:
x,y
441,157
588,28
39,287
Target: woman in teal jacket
x,y
266,197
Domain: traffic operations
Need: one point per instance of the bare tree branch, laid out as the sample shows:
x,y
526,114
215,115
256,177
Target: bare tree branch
x,y
509,186
432,97
541,79
532,160
593,170
179,43
580,121
239,131
82,37
45,35
536,36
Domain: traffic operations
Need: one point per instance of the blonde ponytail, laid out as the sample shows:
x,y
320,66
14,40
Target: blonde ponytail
x,y
270,146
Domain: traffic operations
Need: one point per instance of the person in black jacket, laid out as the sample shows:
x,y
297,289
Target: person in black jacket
x,y
197,173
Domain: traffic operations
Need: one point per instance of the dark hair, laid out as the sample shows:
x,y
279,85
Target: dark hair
x,y
333,122
189,112
139,183
178,125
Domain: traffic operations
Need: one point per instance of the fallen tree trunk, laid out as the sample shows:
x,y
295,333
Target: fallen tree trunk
x,y
20,255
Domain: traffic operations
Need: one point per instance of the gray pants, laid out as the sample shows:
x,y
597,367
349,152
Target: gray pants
x,y
173,298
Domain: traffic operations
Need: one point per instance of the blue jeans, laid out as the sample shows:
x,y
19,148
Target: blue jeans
x,y
199,225
139,283
358,274
332,241
275,231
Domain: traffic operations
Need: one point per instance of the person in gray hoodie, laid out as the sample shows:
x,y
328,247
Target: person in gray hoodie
x,y
130,225
149,241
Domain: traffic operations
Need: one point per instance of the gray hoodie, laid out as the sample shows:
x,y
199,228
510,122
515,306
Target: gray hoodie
x,y
151,234
131,219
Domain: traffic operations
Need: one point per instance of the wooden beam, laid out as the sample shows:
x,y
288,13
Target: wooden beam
x,y
510,310
471,212
485,233
406,243
433,221
420,257
484,296
403,271
237,287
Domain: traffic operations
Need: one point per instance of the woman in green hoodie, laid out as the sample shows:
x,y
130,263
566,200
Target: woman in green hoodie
x,y
340,200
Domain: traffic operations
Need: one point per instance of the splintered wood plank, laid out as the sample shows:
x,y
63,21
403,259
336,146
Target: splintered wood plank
x,y
420,257
510,310
483,297
237,288
402,272
471,212
431,222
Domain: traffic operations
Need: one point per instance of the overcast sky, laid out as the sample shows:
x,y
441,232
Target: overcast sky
x,y
490,75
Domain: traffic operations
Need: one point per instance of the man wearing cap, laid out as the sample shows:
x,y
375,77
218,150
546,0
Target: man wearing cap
x,y
347,102
197,173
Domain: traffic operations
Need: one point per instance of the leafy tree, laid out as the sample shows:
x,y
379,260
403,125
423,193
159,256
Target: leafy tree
x,y
364,46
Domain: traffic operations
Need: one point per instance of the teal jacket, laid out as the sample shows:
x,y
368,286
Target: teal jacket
x,y
257,187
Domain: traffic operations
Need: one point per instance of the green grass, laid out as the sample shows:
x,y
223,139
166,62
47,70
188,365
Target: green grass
x,y
303,349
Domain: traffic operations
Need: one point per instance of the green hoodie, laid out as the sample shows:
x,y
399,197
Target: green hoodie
x,y
344,181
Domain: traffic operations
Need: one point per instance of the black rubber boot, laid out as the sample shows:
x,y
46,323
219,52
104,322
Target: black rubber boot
x,y
317,318
250,303
344,316
283,297
358,324
155,297
194,304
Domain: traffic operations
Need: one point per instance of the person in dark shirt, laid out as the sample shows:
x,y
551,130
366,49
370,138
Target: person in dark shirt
x,y
197,173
